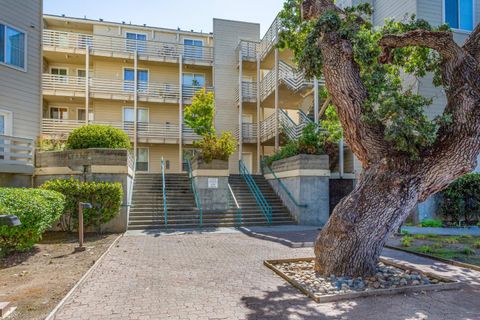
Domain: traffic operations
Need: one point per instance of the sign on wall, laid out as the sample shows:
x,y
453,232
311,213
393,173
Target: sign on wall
x,y
212,183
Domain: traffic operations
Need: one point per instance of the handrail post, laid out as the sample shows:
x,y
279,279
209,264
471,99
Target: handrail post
x,y
164,192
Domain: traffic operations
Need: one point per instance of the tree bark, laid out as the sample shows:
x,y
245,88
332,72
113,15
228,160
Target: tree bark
x,y
391,185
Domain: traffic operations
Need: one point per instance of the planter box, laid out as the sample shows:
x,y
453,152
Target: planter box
x,y
211,182
305,178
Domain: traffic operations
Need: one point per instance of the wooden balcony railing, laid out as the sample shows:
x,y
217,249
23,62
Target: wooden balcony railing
x,y
16,151
63,83
101,45
249,92
249,133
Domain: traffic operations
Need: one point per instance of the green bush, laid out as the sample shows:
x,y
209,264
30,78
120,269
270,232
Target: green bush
x,y
214,147
106,199
433,223
312,141
407,241
37,210
461,200
98,136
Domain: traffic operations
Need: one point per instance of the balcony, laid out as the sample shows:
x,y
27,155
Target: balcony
x,y
113,89
118,47
249,92
249,133
16,155
248,50
146,132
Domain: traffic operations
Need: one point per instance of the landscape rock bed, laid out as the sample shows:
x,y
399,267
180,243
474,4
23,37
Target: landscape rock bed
x,y
389,278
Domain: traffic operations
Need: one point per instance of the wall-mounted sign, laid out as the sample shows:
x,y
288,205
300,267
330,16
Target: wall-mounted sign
x,y
212,183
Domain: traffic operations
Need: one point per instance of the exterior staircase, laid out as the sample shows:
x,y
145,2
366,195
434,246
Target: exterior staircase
x,y
251,213
147,211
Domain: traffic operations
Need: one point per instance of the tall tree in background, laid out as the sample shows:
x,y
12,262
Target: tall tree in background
x,y
406,157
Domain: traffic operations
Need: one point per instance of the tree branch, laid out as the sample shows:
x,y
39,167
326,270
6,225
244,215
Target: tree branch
x,y
472,45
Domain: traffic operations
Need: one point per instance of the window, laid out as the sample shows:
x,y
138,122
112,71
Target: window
x,y
58,113
142,159
81,73
136,41
192,82
129,79
193,49
459,14
12,46
81,114
59,71
142,115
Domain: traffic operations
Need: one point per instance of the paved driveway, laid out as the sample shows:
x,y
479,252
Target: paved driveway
x,y
221,276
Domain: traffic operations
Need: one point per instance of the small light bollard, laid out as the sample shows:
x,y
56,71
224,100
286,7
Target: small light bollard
x,y
81,206
9,221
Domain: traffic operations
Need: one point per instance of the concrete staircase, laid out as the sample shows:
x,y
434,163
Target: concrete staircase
x,y
251,213
147,204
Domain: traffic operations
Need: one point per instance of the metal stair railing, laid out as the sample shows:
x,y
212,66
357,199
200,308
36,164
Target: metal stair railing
x,y
164,193
281,184
259,197
198,203
235,202
289,126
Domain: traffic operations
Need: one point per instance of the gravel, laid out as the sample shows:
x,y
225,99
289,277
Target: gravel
x,y
386,277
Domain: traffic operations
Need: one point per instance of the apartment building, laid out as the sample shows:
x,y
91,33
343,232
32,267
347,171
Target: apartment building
x,y
100,72
20,90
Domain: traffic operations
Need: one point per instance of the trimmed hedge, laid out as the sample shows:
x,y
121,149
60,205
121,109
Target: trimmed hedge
x,y
98,136
37,210
461,200
105,197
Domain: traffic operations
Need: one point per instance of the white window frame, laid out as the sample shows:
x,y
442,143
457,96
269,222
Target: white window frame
x,y
90,114
59,68
129,107
81,70
444,18
148,158
8,121
58,107
25,53
193,74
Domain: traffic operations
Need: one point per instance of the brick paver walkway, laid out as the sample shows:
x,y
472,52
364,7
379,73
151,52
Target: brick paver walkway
x,y
221,276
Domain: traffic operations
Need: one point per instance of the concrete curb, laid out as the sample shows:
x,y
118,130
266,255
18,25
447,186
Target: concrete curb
x,y
52,314
447,261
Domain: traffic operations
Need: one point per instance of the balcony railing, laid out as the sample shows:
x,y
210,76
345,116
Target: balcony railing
x,y
249,133
62,83
248,49
249,92
270,38
16,151
61,128
146,90
102,45
189,136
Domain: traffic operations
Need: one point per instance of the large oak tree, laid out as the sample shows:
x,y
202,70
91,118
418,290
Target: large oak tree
x,y
406,157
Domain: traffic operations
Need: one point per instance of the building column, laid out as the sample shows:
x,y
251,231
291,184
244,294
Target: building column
x,y
259,140
180,112
277,138
87,83
315,100
135,102
240,105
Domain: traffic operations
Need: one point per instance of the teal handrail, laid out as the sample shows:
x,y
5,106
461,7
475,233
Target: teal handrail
x,y
282,185
259,198
198,203
237,206
164,191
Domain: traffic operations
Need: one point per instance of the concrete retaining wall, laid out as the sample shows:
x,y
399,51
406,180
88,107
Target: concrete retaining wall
x,y
211,183
306,177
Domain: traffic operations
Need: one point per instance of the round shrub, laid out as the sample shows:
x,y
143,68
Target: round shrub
x,y
105,197
461,200
98,136
37,210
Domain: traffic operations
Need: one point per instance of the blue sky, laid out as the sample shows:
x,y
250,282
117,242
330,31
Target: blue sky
x,y
186,14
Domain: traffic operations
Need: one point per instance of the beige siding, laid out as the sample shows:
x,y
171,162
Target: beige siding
x,y
398,10
168,152
20,91
227,35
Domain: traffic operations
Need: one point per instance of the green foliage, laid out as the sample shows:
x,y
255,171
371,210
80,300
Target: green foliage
x,y
425,249
432,223
392,107
44,144
468,251
37,210
98,136
476,244
214,147
106,199
407,241
461,200
404,232
450,240
420,236
201,113
312,141
331,124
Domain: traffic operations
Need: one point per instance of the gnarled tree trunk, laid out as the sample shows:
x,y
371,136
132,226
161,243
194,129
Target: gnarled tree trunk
x,y
391,184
